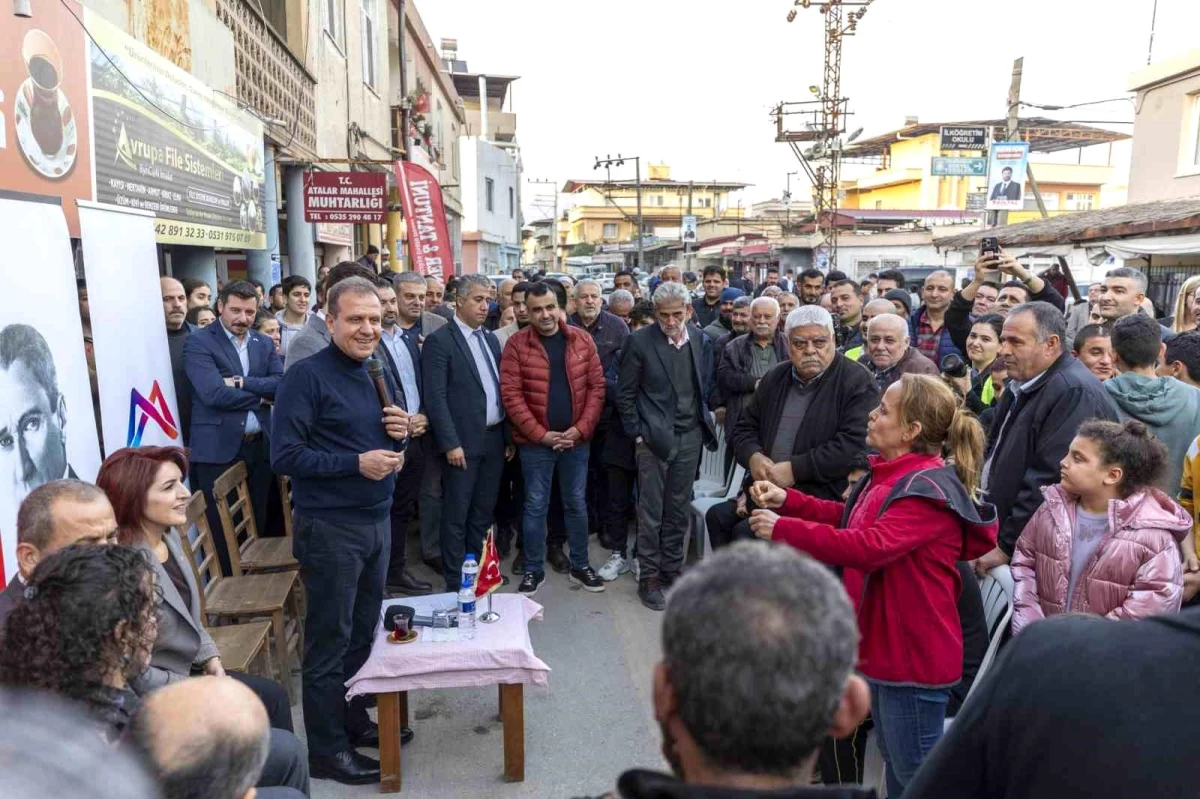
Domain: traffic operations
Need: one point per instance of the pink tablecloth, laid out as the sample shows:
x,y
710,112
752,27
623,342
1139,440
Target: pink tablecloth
x,y
500,652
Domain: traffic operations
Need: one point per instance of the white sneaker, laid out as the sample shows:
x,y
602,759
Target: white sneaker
x,y
615,567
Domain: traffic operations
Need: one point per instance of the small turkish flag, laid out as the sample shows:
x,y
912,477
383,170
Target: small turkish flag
x,y
489,567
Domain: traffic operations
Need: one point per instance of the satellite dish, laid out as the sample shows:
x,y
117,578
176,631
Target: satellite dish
x,y
818,150
808,153
854,135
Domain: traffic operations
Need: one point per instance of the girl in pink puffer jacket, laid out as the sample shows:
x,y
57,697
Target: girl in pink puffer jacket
x,y
1104,541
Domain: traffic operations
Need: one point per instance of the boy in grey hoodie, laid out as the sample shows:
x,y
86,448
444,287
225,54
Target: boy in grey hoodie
x,y
1170,408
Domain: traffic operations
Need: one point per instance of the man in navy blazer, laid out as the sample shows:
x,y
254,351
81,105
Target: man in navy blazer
x,y
461,369
234,371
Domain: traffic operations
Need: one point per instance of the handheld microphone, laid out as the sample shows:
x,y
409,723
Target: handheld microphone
x,y
375,372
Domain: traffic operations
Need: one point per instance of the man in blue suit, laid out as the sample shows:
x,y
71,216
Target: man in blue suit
x,y
233,371
461,369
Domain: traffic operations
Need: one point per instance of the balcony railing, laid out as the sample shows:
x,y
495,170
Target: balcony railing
x,y
270,79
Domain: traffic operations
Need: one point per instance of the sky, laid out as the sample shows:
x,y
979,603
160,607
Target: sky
x,y
692,84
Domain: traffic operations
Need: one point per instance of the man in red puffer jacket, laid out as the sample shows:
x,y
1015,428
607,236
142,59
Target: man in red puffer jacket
x,y
552,387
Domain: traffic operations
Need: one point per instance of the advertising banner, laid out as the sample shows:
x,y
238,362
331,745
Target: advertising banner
x,y
129,339
47,422
688,229
45,145
958,167
963,138
429,245
168,144
1006,176
350,197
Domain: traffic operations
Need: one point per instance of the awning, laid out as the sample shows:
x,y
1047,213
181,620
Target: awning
x,y
1188,244
756,249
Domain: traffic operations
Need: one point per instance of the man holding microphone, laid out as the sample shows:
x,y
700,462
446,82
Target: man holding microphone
x,y
342,451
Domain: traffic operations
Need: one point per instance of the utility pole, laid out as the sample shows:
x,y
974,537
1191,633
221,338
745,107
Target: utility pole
x,y
1012,133
554,224
687,245
637,164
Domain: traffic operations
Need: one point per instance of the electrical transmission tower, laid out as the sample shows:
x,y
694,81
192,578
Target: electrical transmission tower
x,y
824,119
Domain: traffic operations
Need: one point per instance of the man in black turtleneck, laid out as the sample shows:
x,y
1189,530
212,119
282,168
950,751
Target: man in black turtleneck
x,y
178,329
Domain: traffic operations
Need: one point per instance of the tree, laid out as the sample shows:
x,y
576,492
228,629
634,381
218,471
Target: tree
x,y
583,248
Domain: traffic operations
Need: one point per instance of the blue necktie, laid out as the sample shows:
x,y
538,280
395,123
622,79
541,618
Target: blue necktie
x,y
491,369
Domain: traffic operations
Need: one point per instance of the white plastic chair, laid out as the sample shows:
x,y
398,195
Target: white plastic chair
x,y
712,481
697,526
998,591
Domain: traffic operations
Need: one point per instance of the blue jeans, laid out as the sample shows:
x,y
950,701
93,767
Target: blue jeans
x,y
908,722
538,465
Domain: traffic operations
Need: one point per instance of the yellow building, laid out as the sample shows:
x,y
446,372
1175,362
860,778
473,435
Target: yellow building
x,y
903,179
605,212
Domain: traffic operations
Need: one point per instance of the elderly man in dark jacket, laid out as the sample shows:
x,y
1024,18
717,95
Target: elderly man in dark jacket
x,y
1049,394
803,425
745,360
889,354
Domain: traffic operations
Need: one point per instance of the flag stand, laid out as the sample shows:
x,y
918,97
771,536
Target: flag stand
x,y
489,615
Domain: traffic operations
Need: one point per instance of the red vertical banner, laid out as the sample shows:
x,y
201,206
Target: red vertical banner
x,y
429,247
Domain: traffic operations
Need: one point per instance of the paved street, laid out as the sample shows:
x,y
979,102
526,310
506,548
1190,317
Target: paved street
x,y
593,721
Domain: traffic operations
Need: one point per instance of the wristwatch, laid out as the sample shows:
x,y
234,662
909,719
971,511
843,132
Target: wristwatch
x,y
239,380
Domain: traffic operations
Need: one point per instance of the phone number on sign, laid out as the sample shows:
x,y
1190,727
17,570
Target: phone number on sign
x,y
198,233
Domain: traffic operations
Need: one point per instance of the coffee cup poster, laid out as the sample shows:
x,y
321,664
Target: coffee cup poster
x,y
44,106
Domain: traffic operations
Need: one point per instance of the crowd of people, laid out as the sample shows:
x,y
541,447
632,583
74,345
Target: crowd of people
x,y
907,446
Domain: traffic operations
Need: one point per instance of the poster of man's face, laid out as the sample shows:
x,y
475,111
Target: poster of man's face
x,y
47,420
33,413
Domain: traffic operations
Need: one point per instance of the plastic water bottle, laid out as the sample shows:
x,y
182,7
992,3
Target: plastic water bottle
x,y
466,599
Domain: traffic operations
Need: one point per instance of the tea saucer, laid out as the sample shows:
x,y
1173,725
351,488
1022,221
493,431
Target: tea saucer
x,y
57,165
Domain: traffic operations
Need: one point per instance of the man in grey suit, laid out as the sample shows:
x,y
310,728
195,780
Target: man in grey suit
x,y
54,516
315,336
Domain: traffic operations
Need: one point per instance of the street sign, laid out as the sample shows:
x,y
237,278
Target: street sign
x,y
347,197
964,138
958,167
688,230
976,200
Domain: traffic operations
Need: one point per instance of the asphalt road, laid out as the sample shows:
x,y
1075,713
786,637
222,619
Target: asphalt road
x,y
592,722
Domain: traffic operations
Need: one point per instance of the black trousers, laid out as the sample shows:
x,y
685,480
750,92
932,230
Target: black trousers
x,y
597,483
273,696
257,457
619,489
468,501
343,567
510,505
404,505
285,774
725,526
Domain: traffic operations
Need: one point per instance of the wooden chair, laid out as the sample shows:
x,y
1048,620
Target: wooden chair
x,y
248,552
240,645
285,500
253,596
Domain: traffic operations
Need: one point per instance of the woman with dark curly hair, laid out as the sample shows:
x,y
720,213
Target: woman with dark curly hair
x,y
84,631
146,488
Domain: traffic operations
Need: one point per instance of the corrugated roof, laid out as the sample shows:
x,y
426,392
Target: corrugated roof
x,y
579,184
1161,216
1044,135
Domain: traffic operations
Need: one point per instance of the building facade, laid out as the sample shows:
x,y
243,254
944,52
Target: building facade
x,y
1166,133
903,179
605,211
491,168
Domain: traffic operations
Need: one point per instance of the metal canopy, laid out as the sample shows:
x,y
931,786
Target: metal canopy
x,y
1043,134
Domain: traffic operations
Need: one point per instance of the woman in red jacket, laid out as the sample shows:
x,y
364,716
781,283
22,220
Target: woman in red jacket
x,y
898,537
